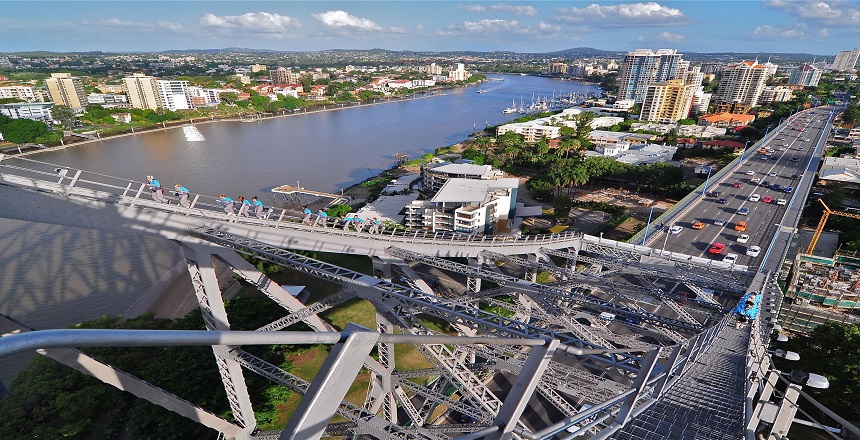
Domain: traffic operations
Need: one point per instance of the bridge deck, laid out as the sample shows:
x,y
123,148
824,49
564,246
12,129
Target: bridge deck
x,y
707,403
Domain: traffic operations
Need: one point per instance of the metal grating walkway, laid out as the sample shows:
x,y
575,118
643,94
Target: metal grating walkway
x,y
707,403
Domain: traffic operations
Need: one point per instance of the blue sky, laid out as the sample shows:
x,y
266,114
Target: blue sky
x,y
817,27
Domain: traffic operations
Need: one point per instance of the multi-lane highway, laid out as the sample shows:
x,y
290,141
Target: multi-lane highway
x,y
789,159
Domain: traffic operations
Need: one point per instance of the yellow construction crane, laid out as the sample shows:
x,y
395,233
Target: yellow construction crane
x,y
827,212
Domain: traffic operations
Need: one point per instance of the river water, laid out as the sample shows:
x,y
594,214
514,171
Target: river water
x,y
323,151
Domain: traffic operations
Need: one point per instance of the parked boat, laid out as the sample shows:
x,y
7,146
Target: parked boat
x,y
482,91
511,109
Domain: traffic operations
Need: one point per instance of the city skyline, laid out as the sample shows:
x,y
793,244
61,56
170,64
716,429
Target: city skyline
x,y
778,26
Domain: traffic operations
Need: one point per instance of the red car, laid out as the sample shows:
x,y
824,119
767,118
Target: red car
x,y
767,199
737,185
716,248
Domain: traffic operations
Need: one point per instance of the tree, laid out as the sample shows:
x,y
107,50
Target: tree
x,y
260,101
64,115
229,97
21,131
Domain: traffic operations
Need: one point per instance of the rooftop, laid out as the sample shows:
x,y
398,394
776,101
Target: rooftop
x,y
470,190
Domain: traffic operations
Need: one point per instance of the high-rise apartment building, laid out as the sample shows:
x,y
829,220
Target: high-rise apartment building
x,y
776,94
558,69
67,90
280,76
806,75
21,93
667,101
846,60
174,94
742,83
142,91
458,72
258,68
644,67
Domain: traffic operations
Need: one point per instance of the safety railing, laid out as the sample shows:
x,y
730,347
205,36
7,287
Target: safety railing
x,y
111,189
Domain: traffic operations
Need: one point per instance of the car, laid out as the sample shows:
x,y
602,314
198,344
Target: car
x,y
788,189
799,148
675,230
750,173
741,226
781,202
722,201
716,248
755,198
767,199
730,258
698,225
737,185
794,176
743,238
765,183
776,186
755,180
743,211
753,251
794,159
715,193
764,158
775,157
771,174
719,222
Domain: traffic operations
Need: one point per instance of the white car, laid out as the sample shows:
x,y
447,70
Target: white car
x,y
719,222
771,174
755,198
731,258
750,173
781,202
753,251
755,180
743,238
675,230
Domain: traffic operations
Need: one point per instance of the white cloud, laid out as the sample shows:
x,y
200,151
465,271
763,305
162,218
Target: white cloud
x,y
628,14
253,22
767,32
668,37
830,13
115,22
516,10
497,27
472,8
170,26
344,22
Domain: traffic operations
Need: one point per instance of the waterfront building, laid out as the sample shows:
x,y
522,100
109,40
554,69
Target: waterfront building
x,y
776,94
643,67
39,111
142,91
458,72
667,101
846,60
173,94
21,93
532,131
467,205
203,97
434,176
558,69
742,83
67,90
108,99
806,75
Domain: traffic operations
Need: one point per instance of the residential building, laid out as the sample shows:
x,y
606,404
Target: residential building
x,y
667,101
434,176
39,111
258,68
831,281
700,103
636,154
776,94
741,83
458,72
726,120
174,95
694,76
806,75
846,60
21,93
108,100
142,91
201,97
558,69
732,107
840,169
643,67
471,206
532,131
67,90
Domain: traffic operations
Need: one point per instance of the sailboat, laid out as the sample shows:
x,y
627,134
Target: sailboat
x,y
512,108
521,110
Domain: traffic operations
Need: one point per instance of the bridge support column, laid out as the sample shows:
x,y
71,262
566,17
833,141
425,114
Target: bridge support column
x,y
532,270
473,284
381,268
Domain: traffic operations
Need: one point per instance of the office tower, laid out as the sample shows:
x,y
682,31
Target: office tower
x,y
667,101
805,75
66,90
644,67
846,60
142,91
741,83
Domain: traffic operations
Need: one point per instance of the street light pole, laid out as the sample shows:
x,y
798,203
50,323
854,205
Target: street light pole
x,y
705,191
665,240
745,148
648,226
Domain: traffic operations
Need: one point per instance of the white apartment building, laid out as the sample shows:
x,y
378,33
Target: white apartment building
x,y
644,67
21,93
806,75
469,206
458,72
142,91
174,95
667,101
742,83
67,90
107,99
846,60
532,131
434,176
776,94
211,96
701,101
40,111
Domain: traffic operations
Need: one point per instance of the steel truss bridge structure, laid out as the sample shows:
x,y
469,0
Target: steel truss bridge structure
x,y
616,341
